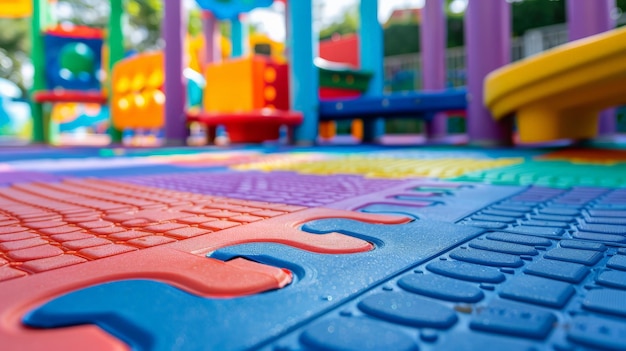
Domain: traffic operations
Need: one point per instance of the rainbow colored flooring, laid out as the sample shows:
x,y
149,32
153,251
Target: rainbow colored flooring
x,y
326,248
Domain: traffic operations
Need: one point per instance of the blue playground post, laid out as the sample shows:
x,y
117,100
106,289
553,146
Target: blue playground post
x,y
303,76
371,58
238,36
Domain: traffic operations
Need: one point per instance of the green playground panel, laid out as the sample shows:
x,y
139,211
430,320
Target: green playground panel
x,y
345,79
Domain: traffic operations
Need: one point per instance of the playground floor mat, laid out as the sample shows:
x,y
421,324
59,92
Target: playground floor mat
x,y
321,248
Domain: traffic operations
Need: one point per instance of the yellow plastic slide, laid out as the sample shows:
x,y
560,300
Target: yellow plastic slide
x,y
560,93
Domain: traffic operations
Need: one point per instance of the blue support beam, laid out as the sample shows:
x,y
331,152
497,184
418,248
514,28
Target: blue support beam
x,y
422,105
371,57
237,37
303,75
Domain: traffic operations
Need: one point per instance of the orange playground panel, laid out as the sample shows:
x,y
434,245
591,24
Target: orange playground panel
x,y
246,84
138,97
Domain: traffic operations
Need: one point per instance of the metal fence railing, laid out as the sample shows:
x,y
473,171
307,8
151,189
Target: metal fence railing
x,y
403,72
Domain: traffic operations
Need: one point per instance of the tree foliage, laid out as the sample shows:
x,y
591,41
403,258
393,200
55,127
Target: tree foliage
x,y
347,23
455,31
404,38
14,48
529,14
142,28
401,38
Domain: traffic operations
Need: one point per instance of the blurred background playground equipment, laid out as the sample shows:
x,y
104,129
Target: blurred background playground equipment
x,y
74,79
344,85
15,120
70,67
357,247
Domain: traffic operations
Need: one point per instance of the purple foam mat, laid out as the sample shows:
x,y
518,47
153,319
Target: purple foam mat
x,y
283,187
10,177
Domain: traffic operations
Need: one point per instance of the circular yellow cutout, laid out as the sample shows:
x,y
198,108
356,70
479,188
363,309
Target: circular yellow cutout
x,y
139,82
156,79
270,75
270,93
122,85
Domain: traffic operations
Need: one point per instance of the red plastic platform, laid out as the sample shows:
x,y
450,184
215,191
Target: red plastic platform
x,y
250,126
70,96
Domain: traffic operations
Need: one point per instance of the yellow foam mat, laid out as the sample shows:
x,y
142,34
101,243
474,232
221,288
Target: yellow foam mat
x,y
393,168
